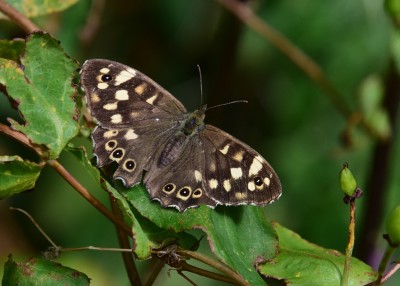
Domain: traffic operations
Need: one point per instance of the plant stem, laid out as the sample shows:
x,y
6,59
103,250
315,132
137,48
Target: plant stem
x,y
20,19
350,244
384,262
88,196
128,258
219,266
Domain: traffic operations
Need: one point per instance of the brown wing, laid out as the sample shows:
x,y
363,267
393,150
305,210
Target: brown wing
x,y
119,96
235,174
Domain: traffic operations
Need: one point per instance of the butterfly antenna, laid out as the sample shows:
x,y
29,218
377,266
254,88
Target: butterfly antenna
x,y
228,103
201,85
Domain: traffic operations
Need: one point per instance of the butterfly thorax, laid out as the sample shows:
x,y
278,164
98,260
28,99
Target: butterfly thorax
x,y
191,125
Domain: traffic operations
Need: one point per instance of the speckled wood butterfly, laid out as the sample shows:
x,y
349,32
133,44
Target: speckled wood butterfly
x,y
185,163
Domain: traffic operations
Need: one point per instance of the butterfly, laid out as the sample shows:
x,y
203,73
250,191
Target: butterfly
x,y
183,162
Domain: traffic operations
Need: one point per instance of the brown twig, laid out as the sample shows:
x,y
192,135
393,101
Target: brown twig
x,y
196,270
379,173
20,19
350,243
88,196
246,15
22,138
93,20
129,262
155,271
391,272
215,264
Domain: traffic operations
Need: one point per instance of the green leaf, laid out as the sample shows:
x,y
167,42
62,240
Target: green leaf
x,y
38,271
43,89
34,8
16,175
239,236
11,50
299,262
147,235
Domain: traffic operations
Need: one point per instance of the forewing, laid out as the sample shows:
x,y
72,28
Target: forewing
x,y
119,96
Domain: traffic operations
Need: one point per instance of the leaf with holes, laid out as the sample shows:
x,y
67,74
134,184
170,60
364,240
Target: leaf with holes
x,y
43,89
39,271
299,262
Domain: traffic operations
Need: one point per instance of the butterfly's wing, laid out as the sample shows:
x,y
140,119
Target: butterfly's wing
x,y
119,96
134,115
234,173
181,184
214,168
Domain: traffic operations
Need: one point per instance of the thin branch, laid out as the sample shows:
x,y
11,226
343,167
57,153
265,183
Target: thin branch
x,y
88,196
391,272
196,270
247,16
93,21
20,19
22,138
36,224
350,244
213,263
128,258
380,171
156,269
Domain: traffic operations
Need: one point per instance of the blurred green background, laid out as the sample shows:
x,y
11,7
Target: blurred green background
x,y
288,119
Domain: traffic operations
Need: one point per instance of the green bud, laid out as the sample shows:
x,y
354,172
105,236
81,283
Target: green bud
x,y
347,182
393,226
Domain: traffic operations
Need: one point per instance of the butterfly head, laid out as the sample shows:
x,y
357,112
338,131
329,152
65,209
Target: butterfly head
x,y
195,121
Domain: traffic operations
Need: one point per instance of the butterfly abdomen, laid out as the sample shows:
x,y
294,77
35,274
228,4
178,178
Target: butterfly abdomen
x,y
191,125
171,150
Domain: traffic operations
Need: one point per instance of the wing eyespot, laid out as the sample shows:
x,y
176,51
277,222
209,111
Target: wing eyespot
x,y
106,78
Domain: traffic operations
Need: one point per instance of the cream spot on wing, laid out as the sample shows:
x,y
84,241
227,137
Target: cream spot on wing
x,y
227,185
151,99
238,156
240,196
213,183
116,118
105,70
94,97
102,85
198,176
110,133
236,173
225,149
140,88
256,166
212,167
110,106
251,186
267,181
124,76
130,135
135,114
122,94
